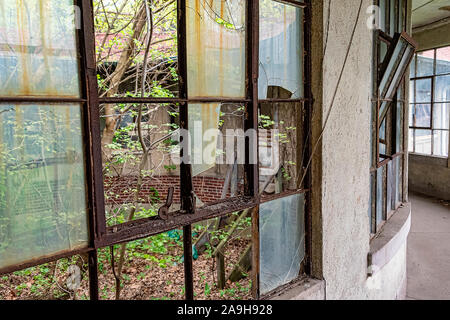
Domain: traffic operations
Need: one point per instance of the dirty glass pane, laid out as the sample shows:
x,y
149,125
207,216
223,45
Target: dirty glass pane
x,y
217,150
413,68
383,15
440,143
136,185
282,241
42,182
423,91
422,115
122,38
280,147
442,89
412,94
216,48
383,50
399,128
423,141
280,50
441,116
443,60
425,63
380,196
411,115
411,140
38,54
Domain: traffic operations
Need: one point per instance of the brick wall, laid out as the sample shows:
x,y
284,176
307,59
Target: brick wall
x,y
120,190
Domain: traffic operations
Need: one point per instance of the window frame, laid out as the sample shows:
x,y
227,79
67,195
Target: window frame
x,y
101,236
382,161
432,104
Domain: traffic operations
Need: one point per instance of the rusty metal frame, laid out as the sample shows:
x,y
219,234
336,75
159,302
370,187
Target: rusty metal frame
x,y
380,68
102,236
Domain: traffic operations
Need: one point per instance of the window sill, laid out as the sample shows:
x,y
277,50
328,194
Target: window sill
x,y
386,244
307,289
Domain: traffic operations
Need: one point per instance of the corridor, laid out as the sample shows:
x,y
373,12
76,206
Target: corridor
x,y
429,250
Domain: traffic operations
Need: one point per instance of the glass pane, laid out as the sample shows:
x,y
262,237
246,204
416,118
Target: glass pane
x,y
413,68
423,115
412,96
217,150
443,60
442,89
121,38
440,143
425,63
383,15
380,195
399,127
423,91
216,48
411,115
282,233
411,140
441,116
128,173
280,50
423,141
383,50
280,147
39,54
42,179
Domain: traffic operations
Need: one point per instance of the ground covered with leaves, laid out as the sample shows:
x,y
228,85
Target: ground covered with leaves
x,y
153,270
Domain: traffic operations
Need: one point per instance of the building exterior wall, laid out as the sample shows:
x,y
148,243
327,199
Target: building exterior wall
x,y
343,239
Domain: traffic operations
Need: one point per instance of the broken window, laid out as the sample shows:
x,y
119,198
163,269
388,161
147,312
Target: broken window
x,y
155,157
430,103
393,52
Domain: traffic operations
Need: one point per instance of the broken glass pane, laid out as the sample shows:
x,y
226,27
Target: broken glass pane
x,y
216,48
42,182
280,147
282,241
124,41
38,55
280,49
217,150
135,184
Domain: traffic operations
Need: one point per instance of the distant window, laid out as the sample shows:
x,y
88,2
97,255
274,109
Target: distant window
x,y
429,112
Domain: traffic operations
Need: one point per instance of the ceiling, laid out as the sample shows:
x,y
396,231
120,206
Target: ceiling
x,y
426,12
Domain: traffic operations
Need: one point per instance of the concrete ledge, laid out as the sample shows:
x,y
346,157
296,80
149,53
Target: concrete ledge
x,y
309,289
386,245
429,160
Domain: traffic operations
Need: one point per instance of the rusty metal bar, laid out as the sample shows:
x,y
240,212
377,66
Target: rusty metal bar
x,y
307,133
143,228
186,186
251,176
43,99
47,259
91,115
298,4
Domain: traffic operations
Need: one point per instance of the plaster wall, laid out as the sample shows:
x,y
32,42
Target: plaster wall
x,y
345,157
429,176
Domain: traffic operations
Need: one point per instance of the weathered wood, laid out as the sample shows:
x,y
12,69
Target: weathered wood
x,y
243,266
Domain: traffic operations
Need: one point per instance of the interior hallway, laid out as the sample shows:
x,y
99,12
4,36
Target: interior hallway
x,y
429,250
